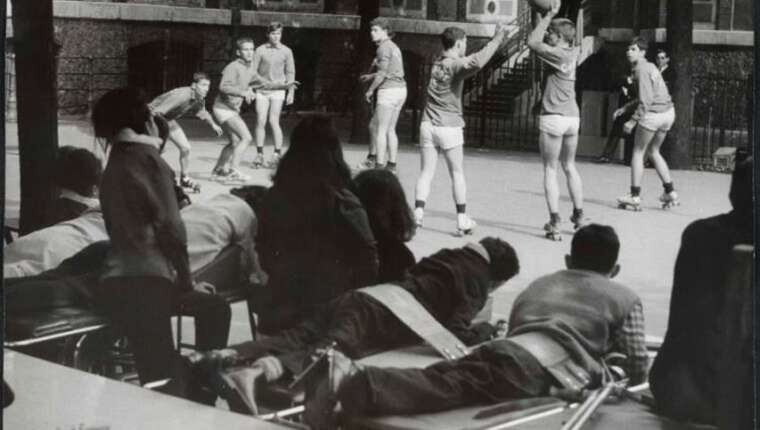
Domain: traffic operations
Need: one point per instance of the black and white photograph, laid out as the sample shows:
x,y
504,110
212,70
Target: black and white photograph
x,y
379,215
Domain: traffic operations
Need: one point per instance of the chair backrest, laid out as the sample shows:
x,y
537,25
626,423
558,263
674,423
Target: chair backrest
x,y
736,376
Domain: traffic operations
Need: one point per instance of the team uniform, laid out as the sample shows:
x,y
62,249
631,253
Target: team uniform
x,y
274,63
560,115
236,79
655,109
389,62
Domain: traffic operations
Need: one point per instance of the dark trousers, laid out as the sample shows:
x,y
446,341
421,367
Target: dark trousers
x,y
495,372
616,133
141,308
212,319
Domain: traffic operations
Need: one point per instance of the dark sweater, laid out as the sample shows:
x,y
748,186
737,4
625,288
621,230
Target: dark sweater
x,y
315,245
579,309
395,259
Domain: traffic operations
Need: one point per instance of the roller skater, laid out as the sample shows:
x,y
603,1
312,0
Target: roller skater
x,y
654,114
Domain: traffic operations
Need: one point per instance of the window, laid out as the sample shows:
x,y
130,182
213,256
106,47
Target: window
x,y
704,14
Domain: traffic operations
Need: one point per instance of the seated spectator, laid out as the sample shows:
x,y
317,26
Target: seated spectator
x,y
46,248
684,377
579,311
77,175
452,285
211,226
314,239
391,221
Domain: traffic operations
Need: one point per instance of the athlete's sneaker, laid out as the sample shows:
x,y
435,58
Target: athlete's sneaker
x,y
629,201
465,225
419,214
368,163
669,200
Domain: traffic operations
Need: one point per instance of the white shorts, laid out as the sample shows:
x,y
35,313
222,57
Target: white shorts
x,y
559,125
432,136
392,97
222,114
271,94
661,121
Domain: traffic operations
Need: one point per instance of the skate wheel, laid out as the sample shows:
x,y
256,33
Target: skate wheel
x,y
556,237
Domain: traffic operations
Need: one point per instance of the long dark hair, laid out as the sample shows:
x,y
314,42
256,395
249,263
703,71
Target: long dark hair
x,y
314,158
390,216
125,107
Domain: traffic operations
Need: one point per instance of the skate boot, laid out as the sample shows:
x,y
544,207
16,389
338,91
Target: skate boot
x,y
368,163
579,220
189,184
669,200
237,177
465,225
419,215
219,175
552,231
258,162
629,201
393,169
274,161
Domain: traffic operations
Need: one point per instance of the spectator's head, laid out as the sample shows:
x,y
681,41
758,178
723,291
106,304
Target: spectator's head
x,y
314,158
454,38
504,262
274,32
126,108
741,185
385,202
78,170
637,49
201,84
245,48
595,247
561,32
252,194
380,29
662,58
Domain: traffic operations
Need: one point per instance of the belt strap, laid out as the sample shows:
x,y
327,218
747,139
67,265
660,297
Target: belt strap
x,y
554,358
407,309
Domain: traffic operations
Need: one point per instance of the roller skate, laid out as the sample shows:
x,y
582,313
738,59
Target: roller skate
x,y
220,174
258,162
419,215
669,200
189,184
274,161
237,177
367,164
629,201
391,169
465,225
579,219
552,232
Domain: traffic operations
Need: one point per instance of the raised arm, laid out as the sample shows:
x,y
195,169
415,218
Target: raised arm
x,y
474,62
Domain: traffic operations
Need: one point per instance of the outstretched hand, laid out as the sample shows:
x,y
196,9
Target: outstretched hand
x,y
556,4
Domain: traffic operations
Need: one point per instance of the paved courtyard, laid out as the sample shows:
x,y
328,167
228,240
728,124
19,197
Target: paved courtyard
x,y
505,197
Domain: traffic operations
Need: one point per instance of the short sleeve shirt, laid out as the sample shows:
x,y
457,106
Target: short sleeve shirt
x,y
388,58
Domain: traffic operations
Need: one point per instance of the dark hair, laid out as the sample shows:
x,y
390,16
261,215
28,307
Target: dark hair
x,y
382,23
741,184
77,169
595,247
241,40
314,158
662,51
564,28
274,26
252,194
451,35
390,216
642,43
504,261
120,108
200,76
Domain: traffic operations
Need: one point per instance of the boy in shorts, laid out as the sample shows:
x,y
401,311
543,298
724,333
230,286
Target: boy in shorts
x,y
655,116
177,102
552,41
442,121
239,79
